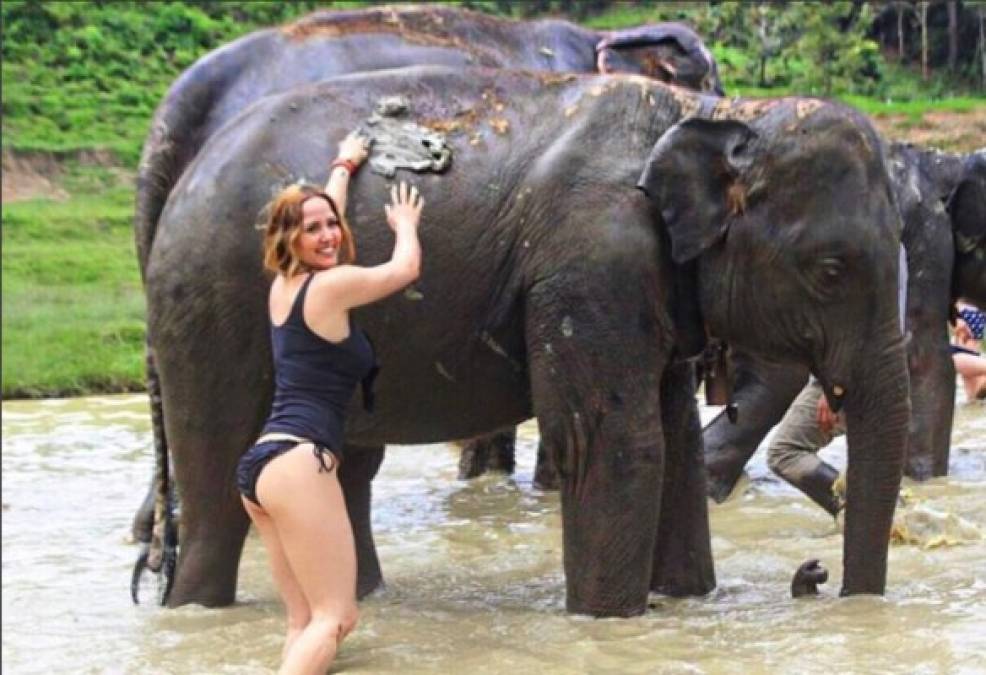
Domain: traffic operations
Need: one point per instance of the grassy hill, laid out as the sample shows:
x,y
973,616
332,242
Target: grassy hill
x,y
81,81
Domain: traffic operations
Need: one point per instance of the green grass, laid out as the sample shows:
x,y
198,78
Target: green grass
x,y
73,307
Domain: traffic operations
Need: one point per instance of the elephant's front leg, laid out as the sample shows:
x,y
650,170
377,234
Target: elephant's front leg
x,y
596,386
683,554
763,393
356,472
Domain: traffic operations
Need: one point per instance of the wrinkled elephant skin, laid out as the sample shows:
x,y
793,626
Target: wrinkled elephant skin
x,y
551,287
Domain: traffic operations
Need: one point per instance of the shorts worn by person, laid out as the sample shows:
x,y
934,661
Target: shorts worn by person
x,y
970,363
288,479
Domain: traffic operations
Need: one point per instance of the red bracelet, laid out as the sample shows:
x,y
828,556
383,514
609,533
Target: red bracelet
x,y
346,164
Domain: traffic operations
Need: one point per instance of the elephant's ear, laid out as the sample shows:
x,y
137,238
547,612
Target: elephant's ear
x,y
693,175
685,40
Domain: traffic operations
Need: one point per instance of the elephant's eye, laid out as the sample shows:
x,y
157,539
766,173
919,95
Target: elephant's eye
x,y
832,267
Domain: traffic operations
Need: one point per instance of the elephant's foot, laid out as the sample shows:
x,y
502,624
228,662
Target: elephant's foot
x,y
355,475
493,452
723,469
685,583
919,468
683,564
208,562
613,608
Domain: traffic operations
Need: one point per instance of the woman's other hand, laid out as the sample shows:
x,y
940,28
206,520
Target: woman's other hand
x,y
404,209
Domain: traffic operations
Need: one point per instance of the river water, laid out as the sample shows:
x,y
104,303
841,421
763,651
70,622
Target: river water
x,y
473,569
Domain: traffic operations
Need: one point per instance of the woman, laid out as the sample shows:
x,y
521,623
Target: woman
x,y
970,327
288,478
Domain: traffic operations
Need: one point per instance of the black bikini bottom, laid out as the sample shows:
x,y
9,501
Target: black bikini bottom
x,y
264,451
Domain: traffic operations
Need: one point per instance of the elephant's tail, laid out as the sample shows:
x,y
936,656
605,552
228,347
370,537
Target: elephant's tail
x,y
160,554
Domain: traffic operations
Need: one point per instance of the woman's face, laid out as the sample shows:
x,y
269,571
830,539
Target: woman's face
x,y
318,244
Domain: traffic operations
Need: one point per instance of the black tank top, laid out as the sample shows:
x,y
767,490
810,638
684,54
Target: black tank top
x,y
315,378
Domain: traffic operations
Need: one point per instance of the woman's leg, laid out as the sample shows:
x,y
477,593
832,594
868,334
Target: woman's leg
x,y
972,370
295,604
308,510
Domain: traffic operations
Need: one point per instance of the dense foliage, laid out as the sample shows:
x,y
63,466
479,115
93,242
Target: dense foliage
x,y
85,74
89,74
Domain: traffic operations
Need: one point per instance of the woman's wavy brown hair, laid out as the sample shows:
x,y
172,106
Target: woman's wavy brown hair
x,y
284,227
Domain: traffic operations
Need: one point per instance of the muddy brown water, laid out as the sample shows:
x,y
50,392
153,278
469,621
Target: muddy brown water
x,y
473,569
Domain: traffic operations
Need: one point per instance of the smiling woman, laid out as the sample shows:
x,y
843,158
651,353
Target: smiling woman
x,y
297,504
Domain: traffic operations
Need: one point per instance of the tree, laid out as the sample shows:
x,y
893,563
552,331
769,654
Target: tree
x,y
840,56
953,34
923,21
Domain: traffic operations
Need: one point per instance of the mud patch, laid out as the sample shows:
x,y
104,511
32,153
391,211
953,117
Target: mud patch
x,y
34,176
43,175
399,143
951,131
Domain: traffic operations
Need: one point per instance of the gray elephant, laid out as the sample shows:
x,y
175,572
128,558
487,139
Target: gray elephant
x,y
942,200
225,82
967,207
551,287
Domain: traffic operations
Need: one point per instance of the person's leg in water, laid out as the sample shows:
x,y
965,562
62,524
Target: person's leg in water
x,y
792,453
314,543
295,604
972,370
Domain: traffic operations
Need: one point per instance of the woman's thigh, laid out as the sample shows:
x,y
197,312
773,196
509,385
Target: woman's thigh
x,y
291,593
309,512
969,365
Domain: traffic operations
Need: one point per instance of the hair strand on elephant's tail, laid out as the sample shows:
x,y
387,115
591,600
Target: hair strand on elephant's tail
x,y
160,554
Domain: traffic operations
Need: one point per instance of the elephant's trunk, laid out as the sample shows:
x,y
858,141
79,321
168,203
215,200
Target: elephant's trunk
x,y
877,414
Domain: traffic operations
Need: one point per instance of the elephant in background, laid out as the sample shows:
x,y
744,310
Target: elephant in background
x,y
225,82
967,209
567,294
942,200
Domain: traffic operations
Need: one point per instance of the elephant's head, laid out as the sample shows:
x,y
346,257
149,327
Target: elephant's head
x,y
967,209
791,224
669,52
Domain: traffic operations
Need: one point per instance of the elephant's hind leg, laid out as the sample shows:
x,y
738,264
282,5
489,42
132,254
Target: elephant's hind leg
x,y
356,472
210,421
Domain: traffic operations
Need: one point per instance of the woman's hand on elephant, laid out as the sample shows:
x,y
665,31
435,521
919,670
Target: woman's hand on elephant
x,y
354,148
404,209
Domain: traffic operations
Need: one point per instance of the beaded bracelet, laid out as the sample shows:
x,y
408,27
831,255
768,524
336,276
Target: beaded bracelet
x,y
346,164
